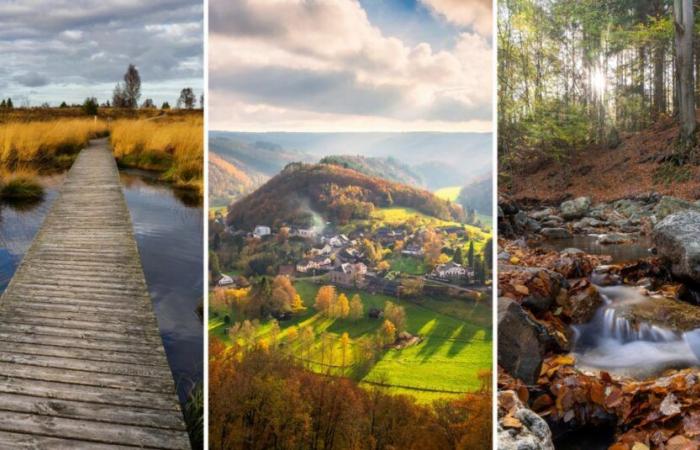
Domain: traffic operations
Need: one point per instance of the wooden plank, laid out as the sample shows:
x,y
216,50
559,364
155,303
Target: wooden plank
x,y
82,363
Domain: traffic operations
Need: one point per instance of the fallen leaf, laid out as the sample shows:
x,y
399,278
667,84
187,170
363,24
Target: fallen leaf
x,y
639,446
521,289
511,422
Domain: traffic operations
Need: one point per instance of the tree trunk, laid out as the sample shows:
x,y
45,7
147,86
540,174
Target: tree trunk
x,y
659,106
683,25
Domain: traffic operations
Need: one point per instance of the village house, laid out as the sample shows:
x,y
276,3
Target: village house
x,y
306,233
349,275
449,271
325,250
320,263
262,230
386,235
337,240
225,280
350,254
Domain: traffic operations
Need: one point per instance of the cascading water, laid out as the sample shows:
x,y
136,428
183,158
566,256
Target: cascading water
x,y
611,342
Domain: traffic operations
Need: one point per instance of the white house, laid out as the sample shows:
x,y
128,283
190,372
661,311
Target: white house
x,y
325,250
262,230
318,263
451,270
306,233
225,280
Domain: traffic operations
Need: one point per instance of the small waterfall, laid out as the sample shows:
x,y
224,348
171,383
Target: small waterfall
x,y
612,342
618,327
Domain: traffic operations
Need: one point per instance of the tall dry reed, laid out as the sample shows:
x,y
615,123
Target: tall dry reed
x,y
173,146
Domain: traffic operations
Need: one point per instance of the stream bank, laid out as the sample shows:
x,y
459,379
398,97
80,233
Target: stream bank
x,y
595,329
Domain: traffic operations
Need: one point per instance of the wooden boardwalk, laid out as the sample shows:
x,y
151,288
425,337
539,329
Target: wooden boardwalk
x,y
82,363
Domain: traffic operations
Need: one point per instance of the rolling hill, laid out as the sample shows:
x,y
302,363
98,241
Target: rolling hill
x,y
227,182
301,192
440,159
387,168
478,196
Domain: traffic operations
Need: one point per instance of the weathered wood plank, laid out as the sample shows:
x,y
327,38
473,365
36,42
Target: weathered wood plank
x,y
82,363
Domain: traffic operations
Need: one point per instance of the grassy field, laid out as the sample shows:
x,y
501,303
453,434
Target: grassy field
x,y
408,264
455,347
449,193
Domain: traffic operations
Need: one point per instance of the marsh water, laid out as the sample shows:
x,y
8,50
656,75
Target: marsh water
x,y
168,231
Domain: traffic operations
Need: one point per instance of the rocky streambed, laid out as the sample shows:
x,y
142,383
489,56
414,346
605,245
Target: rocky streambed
x,y
587,339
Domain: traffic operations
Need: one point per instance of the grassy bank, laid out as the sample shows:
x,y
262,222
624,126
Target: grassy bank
x,y
172,146
46,145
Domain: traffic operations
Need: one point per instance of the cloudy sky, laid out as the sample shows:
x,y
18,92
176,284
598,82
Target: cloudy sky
x,y
67,50
350,65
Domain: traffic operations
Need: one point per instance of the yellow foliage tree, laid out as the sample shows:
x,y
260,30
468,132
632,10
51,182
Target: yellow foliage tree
x,y
344,345
388,332
343,309
356,308
325,299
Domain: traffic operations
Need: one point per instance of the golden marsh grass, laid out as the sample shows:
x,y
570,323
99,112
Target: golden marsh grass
x,y
46,144
174,146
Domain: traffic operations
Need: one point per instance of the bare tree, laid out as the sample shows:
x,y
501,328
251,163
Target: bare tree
x,y
683,20
119,96
187,99
132,86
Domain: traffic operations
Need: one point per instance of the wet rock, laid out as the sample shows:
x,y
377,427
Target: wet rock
x,y
582,303
677,240
670,205
613,239
533,226
627,207
575,209
520,428
542,213
667,313
520,220
536,288
590,222
555,233
603,276
519,349
571,251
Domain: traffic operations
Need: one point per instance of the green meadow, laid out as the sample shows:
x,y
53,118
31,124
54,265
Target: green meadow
x,y
456,344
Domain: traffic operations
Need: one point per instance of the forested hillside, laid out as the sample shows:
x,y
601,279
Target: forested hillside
x,y
302,190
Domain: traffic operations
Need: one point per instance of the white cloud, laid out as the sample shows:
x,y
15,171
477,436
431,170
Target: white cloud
x,y
467,13
326,62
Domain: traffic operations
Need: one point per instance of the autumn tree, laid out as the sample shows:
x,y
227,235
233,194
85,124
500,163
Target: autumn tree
x,y
356,308
325,300
343,308
388,332
344,346
396,314
284,295
432,247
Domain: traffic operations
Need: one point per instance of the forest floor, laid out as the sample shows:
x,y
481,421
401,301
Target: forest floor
x,y
632,168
